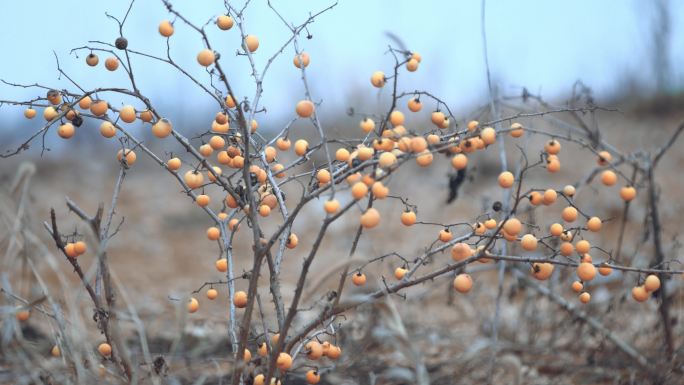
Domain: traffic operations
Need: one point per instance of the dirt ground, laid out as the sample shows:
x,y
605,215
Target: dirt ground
x,y
161,255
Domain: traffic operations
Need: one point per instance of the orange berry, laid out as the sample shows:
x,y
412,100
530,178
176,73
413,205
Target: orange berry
x,y
222,265
461,251
213,233
212,294
556,229
302,58
251,42
627,193
359,279
652,283
604,158
517,130
445,235
463,283
166,28
577,286
224,22
112,63
459,161
528,242
506,179
301,147
304,108
608,178
240,299
284,361
585,297
312,376
399,273
105,349
549,197
378,79
331,206
542,271
569,214
512,226
586,271
594,224
583,246
640,294
370,218
359,190
206,57
408,218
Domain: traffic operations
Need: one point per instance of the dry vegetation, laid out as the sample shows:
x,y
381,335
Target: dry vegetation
x,y
394,261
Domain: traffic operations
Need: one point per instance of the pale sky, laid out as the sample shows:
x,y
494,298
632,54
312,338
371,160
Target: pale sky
x,y
543,45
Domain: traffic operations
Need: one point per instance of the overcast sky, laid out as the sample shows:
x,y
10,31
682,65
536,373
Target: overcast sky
x,y
544,45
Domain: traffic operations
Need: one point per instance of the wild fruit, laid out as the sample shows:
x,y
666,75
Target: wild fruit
x,y
378,79
370,218
173,164
577,286
251,42
129,155
463,283
400,272
414,105
99,107
240,299
193,305
517,130
92,59
569,214
312,376
528,242
437,118
594,224
408,218
445,235
331,206
222,265
224,22
302,58
127,114
459,161
639,294
512,226
206,57
549,197
301,147
66,130
586,271
284,361
166,28
314,350
608,178
542,270
213,233
112,63
29,113
627,193
652,283
556,229
461,251
506,179
582,246
604,158
193,179
304,108
359,190
359,279
105,349
212,294
585,297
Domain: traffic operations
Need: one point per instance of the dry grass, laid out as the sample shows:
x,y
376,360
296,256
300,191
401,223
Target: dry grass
x,y
432,335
